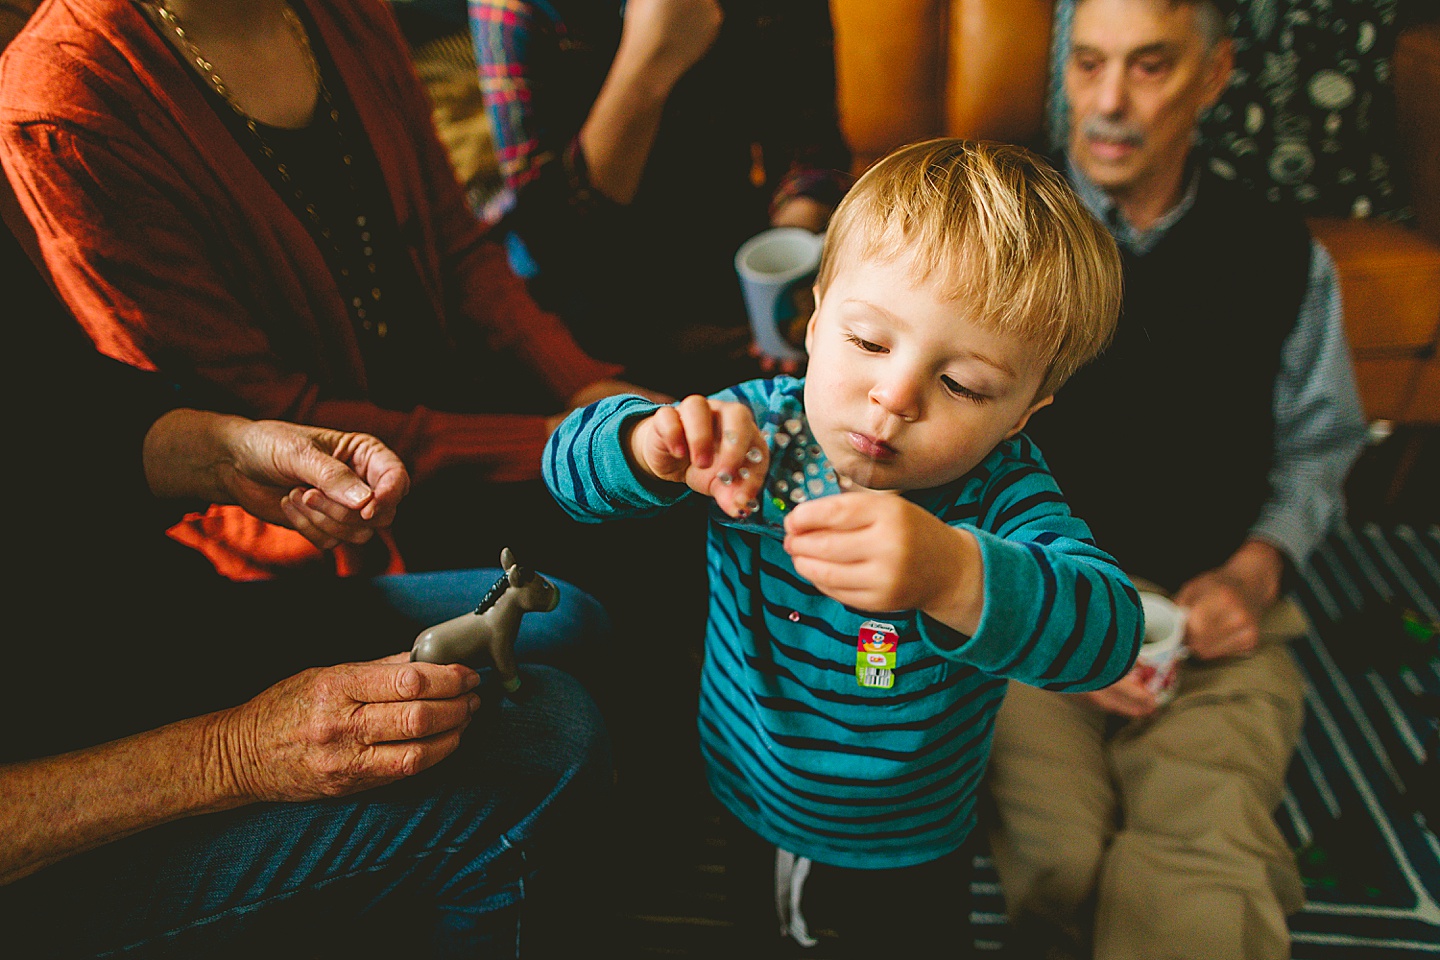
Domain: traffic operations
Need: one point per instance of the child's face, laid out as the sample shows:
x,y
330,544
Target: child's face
x,y
903,390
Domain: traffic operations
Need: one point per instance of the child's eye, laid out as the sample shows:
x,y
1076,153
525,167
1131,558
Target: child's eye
x,y
960,390
865,345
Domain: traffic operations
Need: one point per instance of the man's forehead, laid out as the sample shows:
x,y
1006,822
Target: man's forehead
x,y
1141,24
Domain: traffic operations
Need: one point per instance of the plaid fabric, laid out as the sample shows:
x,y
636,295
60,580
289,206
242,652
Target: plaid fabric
x,y
514,37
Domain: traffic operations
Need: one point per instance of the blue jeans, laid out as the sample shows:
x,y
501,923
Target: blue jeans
x,y
455,861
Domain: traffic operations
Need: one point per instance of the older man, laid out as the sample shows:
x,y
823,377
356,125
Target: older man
x,y
1207,449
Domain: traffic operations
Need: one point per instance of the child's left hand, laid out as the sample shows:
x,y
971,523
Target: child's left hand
x,y
880,552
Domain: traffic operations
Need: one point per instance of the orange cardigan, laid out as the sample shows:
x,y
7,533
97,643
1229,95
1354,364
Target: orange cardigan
x,y
175,254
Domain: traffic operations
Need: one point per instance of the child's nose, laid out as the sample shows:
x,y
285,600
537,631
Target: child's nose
x,y
897,396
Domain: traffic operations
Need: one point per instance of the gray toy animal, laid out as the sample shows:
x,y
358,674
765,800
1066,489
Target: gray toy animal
x,y
492,626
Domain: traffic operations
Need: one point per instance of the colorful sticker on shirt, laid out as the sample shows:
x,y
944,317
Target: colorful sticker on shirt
x,y
875,654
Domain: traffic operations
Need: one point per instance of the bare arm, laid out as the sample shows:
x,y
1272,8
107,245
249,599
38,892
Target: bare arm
x,y
60,806
322,733
661,40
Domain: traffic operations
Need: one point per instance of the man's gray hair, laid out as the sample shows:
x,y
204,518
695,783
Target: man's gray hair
x,y
1212,18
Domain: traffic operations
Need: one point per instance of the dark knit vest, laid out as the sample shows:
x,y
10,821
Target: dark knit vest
x,y
1164,443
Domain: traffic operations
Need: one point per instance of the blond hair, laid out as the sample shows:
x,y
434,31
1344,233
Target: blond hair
x,y
997,228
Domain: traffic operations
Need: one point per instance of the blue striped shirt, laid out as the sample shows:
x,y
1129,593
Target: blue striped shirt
x,y
794,746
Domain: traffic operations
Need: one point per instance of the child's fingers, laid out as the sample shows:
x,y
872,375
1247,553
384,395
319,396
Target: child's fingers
x,y
699,422
669,433
831,545
744,456
737,473
843,511
834,575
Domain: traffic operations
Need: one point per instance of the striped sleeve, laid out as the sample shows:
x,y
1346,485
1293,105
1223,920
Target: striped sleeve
x,y
585,467
586,470
1058,612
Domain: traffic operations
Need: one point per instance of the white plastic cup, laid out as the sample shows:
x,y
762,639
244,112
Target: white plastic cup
x,y
1163,648
777,269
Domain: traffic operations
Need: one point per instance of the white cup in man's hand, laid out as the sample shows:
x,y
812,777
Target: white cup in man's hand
x,y
1163,648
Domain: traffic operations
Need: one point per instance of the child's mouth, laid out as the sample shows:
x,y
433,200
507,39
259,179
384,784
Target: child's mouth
x,y
871,447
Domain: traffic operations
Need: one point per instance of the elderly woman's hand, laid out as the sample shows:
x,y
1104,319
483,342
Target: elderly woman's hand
x,y
332,486
333,731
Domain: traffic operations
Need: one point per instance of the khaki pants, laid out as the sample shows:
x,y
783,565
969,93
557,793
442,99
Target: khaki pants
x,y
1156,840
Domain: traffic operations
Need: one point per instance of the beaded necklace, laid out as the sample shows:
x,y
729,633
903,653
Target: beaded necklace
x,y
352,285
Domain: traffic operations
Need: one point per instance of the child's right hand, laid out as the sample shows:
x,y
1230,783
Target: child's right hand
x,y
714,447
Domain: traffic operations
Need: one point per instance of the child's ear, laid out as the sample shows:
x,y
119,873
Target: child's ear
x,y
810,324
1044,401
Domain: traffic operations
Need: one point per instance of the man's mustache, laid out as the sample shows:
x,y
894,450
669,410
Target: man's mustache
x,y
1112,131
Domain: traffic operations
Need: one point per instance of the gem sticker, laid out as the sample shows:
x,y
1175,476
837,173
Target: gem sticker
x,y
799,471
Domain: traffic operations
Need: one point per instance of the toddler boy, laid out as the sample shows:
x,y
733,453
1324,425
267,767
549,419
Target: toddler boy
x,y
961,284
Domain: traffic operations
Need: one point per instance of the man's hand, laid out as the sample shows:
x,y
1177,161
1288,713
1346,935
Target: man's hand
x,y
712,447
329,485
332,731
880,552
1128,697
1226,604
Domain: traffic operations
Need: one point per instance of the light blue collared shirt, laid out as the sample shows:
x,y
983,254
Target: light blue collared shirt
x,y
1319,427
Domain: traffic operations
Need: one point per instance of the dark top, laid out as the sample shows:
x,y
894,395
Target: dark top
x,y
333,185
753,120
1164,443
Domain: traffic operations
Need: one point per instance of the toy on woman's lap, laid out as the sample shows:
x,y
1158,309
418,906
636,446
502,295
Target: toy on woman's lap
x,y
799,471
492,626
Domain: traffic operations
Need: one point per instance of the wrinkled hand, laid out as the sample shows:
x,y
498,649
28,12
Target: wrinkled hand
x,y
880,552
333,731
668,37
329,485
713,447
1128,697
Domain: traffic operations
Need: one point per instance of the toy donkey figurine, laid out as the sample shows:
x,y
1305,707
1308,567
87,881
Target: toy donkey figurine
x,y
492,626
